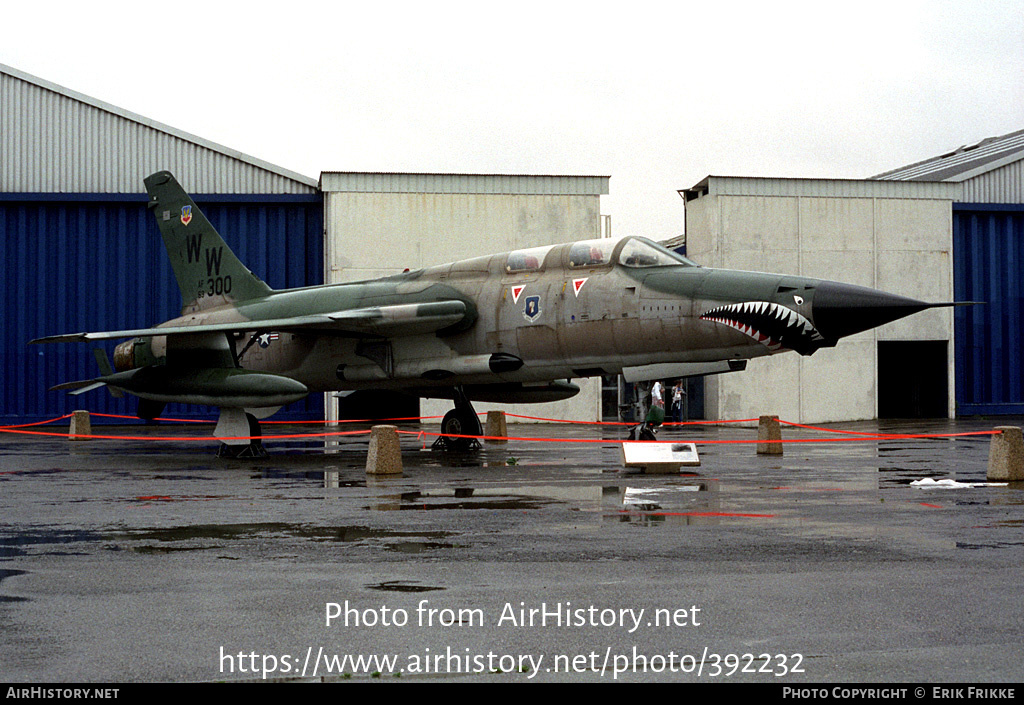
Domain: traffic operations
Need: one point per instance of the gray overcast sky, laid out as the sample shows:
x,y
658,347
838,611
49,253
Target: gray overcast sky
x,y
655,95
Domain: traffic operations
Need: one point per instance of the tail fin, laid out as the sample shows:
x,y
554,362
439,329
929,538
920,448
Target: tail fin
x,y
208,272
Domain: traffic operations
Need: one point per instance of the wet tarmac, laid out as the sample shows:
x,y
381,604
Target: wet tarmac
x,y
155,561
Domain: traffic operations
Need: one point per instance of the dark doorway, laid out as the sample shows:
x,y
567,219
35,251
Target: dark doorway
x,y
913,379
376,404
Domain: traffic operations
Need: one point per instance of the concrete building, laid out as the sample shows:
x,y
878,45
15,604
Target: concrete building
x,y
377,224
893,236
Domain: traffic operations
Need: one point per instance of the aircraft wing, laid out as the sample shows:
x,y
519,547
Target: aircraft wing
x,y
386,321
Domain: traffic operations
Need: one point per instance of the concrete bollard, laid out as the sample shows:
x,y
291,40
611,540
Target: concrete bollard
x,y
385,454
768,429
496,426
1006,455
80,426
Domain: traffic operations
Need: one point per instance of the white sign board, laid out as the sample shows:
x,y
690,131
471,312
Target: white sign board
x,y
659,457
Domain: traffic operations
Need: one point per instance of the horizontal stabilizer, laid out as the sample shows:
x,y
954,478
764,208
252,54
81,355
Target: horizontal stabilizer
x,y
394,320
79,387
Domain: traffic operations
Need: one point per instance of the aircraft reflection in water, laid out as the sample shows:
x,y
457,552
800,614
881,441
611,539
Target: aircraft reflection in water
x,y
696,502
511,327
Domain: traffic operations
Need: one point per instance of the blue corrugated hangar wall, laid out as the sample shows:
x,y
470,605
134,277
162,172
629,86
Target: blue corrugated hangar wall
x,y
90,262
988,241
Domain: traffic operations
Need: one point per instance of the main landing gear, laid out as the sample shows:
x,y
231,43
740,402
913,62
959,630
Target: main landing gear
x,y
460,421
236,424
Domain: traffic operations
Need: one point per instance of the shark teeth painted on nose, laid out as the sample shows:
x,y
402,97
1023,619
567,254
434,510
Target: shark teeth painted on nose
x,y
773,325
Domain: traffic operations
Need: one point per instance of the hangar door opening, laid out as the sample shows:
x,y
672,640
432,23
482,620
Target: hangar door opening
x,y
988,249
913,379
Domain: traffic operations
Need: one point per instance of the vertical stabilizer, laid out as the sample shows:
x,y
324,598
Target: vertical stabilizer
x,y
208,272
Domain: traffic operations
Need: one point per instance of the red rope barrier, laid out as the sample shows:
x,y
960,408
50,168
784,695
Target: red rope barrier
x,y
397,418
207,421
849,435
704,441
37,423
82,436
627,423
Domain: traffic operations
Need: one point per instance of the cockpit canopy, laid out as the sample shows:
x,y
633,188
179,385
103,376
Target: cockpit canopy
x,y
527,260
632,252
641,252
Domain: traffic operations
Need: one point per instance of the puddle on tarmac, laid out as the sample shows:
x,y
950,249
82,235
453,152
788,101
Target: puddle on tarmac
x,y
19,543
172,549
320,476
680,501
342,534
417,546
5,573
689,501
403,586
901,477
993,544
417,501
206,536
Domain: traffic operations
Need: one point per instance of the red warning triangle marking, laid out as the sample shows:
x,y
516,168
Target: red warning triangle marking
x,y
577,284
516,291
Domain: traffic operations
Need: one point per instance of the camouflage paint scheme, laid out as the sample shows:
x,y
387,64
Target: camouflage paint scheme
x,y
513,326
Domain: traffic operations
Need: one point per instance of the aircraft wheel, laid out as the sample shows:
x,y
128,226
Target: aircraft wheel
x,y
453,423
148,410
458,423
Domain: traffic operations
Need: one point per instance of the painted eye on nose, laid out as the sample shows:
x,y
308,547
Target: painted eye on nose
x,y
799,300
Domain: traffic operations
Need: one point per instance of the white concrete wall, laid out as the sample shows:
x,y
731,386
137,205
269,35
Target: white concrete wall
x,y
370,235
899,245
373,234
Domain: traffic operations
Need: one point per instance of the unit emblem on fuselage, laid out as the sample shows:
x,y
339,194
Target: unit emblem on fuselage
x,y
531,311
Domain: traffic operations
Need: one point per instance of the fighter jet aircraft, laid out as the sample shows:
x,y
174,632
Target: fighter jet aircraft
x,y
513,327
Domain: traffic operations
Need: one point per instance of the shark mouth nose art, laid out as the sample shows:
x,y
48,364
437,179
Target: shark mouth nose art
x,y
773,325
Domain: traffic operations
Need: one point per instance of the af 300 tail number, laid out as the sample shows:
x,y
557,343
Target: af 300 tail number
x,y
214,284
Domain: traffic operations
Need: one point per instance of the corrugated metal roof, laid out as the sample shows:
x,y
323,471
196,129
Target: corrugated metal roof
x,y
507,184
965,162
55,140
674,242
1002,185
821,188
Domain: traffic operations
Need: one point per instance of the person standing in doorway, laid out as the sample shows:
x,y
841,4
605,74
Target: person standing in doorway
x,y
678,401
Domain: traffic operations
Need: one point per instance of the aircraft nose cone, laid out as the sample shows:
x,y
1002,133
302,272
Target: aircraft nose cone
x,y
839,309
